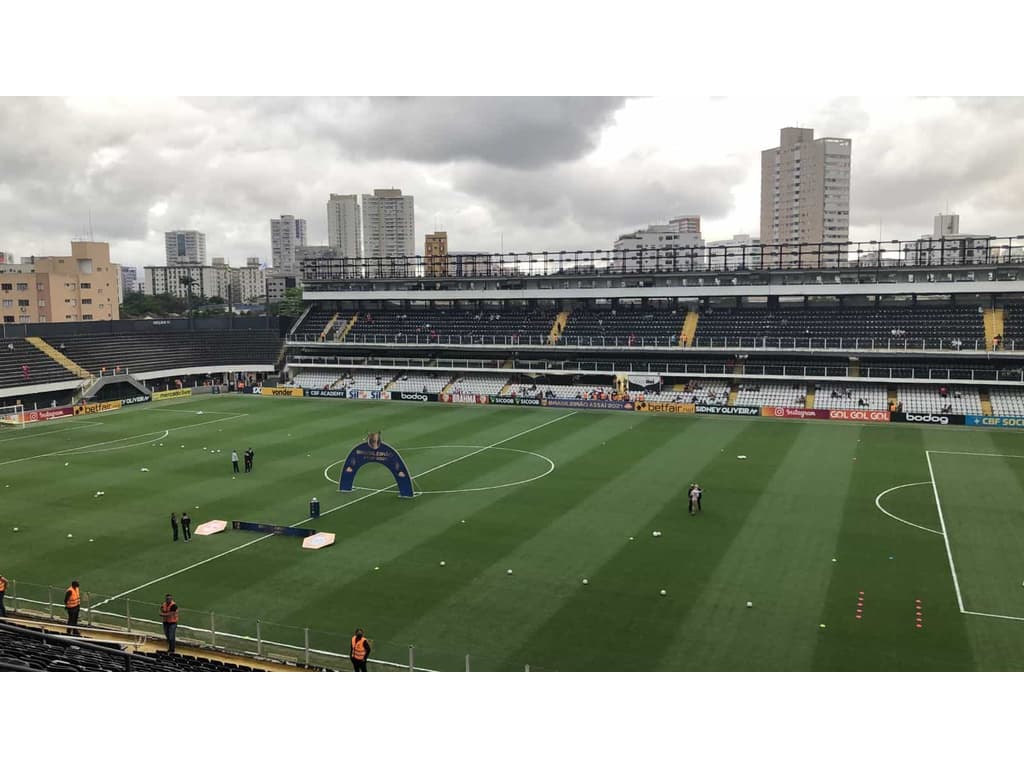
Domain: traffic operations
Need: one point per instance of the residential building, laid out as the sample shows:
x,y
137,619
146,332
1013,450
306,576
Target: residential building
x,y
946,245
7,258
472,264
251,282
236,285
129,283
185,248
435,255
345,228
805,197
57,289
389,244
661,247
286,234
277,284
739,252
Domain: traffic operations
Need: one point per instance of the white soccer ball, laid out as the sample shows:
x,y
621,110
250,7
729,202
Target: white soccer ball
x,y
586,581
663,593
15,529
69,536
509,571
65,463
442,563
749,604
91,541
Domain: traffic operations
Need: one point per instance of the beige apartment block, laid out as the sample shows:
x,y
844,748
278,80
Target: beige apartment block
x,y
435,255
805,198
60,289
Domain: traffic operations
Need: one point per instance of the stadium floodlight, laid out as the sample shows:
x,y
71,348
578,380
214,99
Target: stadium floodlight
x,y
12,416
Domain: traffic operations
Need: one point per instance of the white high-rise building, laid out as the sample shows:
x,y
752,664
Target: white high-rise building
x,y
661,247
389,233
286,233
345,227
805,196
739,252
185,248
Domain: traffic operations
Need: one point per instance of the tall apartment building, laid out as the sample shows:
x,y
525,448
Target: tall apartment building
x,y
389,233
435,255
58,289
185,248
345,227
740,251
662,247
286,234
236,285
805,196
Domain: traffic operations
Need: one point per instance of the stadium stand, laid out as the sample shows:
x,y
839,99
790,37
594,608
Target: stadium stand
x,y
927,399
790,395
32,649
421,382
918,327
864,397
143,352
1007,402
435,325
14,353
319,380
478,384
624,326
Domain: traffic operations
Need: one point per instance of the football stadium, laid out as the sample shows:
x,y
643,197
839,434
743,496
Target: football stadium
x,y
764,458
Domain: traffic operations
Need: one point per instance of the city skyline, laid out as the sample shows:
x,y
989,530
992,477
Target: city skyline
x,y
531,174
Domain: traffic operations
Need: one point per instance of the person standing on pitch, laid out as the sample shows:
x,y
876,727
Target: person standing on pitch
x,y
3,593
186,526
694,496
73,604
169,617
360,651
174,526
234,461
249,456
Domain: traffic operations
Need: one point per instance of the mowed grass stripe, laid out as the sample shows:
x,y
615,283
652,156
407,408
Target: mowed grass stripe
x,y
580,536
787,508
894,565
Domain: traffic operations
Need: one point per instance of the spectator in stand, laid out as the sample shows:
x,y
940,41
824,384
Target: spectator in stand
x,y
943,391
73,604
25,372
3,593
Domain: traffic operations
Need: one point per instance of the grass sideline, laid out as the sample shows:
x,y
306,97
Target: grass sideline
x,y
794,529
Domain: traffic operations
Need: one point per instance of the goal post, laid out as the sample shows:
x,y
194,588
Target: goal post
x,y
12,416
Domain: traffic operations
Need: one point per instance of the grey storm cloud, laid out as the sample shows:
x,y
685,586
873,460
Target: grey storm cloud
x,y
508,131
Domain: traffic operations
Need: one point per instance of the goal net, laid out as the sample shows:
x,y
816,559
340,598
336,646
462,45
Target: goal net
x,y
12,417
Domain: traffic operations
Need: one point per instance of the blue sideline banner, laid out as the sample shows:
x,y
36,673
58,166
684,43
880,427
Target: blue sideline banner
x,y
280,530
376,451
587,405
995,421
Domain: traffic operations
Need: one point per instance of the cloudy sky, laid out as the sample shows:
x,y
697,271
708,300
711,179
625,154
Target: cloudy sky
x,y
545,173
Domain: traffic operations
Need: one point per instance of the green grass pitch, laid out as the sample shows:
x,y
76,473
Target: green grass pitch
x,y
556,496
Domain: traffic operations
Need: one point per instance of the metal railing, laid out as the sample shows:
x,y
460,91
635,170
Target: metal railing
x,y
245,637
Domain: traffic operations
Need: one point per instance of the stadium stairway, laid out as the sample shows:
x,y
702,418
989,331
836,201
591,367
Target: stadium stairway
x,y
993,326
734,392
986,402
892,395
58,357
809,397
854,367
689,329
348,327
558,326
327,328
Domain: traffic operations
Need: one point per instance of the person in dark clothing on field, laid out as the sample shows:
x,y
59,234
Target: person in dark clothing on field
x,y
360,651
694,494
174,526
249,456
186,526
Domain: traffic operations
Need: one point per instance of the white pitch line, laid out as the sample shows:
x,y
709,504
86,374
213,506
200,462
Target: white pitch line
x,y
994,615
65,451
334,509
945,534
968,453
878,500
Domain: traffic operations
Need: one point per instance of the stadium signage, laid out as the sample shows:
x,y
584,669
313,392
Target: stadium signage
x,y
134,400
280,530
729,410
325,392
782,412
281,391
994,421
423,397
464,398
172,394
646,407
89,408
502,400
587,405
845,414
45,414
364,394
942,420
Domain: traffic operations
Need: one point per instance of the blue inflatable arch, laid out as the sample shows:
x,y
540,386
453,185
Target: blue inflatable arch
x,y
375,451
